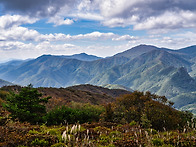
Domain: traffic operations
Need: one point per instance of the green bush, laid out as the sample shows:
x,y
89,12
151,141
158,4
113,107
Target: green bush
x,y
157,142
133,123
86,113
39,142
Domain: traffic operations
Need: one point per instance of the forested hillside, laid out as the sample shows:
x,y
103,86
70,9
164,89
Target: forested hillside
x,y
30,117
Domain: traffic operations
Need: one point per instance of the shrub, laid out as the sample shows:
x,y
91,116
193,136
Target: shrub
x,y
39,142
85,113
148,110
157,142
27,105
133,123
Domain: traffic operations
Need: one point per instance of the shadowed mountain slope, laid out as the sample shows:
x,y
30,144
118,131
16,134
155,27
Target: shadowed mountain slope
x,y
155,71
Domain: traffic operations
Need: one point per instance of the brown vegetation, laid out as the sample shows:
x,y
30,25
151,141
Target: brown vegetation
x,y
81,93
137,119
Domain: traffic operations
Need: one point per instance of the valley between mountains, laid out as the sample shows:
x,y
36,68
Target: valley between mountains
x,y
163,71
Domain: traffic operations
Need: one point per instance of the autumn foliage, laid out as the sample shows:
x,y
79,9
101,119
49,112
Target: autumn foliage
x,y
148,109
137,119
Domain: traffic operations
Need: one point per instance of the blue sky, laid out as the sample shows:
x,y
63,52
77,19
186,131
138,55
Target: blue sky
x,y
30,28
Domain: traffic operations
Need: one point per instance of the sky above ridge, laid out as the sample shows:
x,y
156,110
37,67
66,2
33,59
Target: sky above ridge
x,y
30,28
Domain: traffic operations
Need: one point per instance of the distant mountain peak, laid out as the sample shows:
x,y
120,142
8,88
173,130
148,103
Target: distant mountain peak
x,y
80,56
144,45
46,55
83,57
136,51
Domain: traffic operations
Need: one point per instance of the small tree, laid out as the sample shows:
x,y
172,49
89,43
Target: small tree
x,y
27,105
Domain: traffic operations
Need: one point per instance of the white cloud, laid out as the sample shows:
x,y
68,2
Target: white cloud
x,y
47,47
87,16
125,37
67,37
8,21
116,8
95,35
120,22
37,8
21,50
10,46
142,14
57,20
18,33
84,5
160,16
169,20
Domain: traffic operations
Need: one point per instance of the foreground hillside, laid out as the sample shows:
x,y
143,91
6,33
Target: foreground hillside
x,y
135,119
81,93
167,72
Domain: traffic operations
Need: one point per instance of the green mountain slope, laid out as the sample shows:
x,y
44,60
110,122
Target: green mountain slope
x,y
55,71
154,71
145,68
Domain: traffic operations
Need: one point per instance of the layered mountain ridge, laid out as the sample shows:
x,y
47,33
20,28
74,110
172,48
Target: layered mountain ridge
x,y
144,67
4,83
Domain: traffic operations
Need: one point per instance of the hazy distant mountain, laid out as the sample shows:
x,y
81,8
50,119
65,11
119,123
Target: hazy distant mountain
x,y
184,99
10,65
189,107
4,83
57,71
116,86
83,57
146,68
13,63
190,51
185,102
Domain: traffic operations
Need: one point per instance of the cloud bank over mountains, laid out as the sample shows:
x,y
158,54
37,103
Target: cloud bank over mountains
x,y
168,23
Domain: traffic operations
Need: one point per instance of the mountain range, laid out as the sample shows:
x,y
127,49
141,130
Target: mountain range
x,y
145,68
4,83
